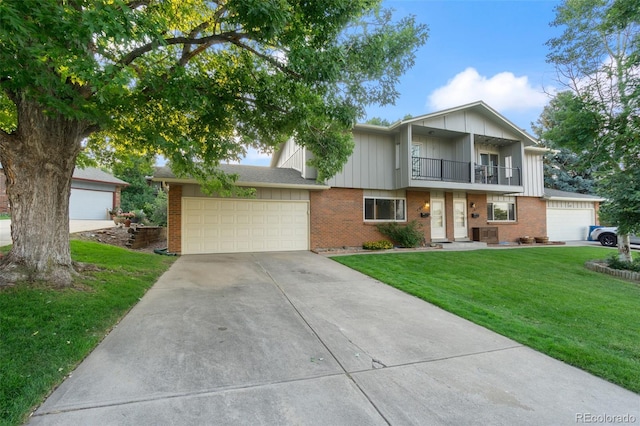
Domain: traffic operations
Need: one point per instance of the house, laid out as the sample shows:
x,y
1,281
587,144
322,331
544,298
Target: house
x,y
93,193
465,173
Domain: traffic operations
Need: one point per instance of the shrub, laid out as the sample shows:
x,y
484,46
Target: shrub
x,y
409,235
158,209
614,262
377,245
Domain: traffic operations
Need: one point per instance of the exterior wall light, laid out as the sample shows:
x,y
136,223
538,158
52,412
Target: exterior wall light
x,y
424,210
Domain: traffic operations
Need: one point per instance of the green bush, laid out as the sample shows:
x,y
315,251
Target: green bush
x,y
409,235
614,262
377,245
158,209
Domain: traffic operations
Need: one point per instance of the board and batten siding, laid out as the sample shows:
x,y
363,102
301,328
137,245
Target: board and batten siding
x,y
468,122
292,156
261,193
371,166
533,175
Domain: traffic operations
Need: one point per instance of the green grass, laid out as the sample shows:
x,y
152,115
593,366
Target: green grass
x,y
541,297
45,333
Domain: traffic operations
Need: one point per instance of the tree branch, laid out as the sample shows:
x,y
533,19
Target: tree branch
x,y
213,39
204,43
267,58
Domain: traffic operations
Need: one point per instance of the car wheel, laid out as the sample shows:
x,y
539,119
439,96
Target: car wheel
x,y
608,240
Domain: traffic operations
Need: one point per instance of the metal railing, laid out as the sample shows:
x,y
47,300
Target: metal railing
x,y
439,169
460,171
498,175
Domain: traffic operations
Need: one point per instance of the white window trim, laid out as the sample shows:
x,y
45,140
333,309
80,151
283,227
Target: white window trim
x,y
383,198
515,212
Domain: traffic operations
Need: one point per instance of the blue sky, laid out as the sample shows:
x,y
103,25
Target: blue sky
x,y
490,50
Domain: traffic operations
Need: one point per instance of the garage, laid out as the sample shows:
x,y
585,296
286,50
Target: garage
x,y
89,204
216,225
93,193
569,215
569,224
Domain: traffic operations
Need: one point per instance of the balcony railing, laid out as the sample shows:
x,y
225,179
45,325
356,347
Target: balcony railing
x,y
460,171
498,175
439,169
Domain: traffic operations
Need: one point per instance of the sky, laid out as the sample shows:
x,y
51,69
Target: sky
x,y
489,50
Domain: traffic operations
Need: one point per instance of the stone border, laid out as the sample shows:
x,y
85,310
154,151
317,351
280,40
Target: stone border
x,y
600,266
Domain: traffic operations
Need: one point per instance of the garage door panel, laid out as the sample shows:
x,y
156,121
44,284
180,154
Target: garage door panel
x,y
86,204
569,224
223,226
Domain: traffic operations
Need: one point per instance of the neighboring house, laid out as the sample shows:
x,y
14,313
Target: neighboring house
x,y
465,173
93,193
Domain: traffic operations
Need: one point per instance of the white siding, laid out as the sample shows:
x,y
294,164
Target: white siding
x,y
533,175
292,156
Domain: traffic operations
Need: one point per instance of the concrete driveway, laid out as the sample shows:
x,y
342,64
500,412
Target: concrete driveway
x,y
295,338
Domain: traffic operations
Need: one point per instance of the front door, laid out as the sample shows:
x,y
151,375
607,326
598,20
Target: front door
x,y
438,225
460,219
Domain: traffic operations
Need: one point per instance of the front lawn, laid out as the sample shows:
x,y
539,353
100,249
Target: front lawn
x,y
541,297
45,333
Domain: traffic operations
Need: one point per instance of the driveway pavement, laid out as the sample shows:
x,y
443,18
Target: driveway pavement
x,y
296,338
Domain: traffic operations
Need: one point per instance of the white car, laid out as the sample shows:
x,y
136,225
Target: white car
x,y
608,236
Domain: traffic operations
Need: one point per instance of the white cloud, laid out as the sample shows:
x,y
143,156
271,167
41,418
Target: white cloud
x,y
503,91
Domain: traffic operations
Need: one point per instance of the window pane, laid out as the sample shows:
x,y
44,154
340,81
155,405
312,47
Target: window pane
x,y
512,211
490,211
400,210
385,209
500,211
368,209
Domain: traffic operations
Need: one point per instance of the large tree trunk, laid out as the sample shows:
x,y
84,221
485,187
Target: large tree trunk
x,y
38,161
624,248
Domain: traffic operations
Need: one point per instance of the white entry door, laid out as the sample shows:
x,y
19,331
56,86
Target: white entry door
x,y
438,220
460,219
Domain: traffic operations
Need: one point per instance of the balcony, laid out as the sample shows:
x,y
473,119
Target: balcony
x,y
437,169
498,175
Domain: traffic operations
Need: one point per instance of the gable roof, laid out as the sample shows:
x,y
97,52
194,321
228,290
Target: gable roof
x,y
556,195
250,176
479,107
94,174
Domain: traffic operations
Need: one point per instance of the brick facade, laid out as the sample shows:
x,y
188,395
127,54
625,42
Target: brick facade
x,y
337,218
174,219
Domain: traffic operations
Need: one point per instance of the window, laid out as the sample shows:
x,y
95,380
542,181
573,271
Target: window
x,y
388,209
501,211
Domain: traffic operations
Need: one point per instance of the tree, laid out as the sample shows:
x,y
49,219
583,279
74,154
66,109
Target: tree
x,y
568,131
598,58
134,170
195,80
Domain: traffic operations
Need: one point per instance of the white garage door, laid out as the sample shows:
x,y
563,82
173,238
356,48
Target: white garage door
x,y
212,225
89,205
569,224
